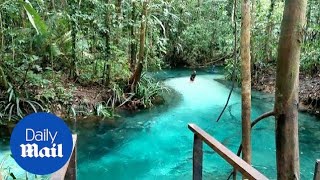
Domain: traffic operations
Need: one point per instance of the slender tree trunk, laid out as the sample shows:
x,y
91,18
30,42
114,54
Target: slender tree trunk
x,y
267,48
287,85
119,21
53,4
309,7
137,73
246,80
309,14
13,48
1,34
107,53
23,17
133,46
199,3
253,17
74,56
63,4
119,9
229,8
3,80
74,40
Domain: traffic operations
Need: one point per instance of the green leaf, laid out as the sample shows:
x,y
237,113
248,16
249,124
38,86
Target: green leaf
x,y
160,23
34,18
55,49
10,111
39,105
32,106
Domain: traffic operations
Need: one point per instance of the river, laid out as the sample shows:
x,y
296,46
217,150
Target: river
x,y
156,143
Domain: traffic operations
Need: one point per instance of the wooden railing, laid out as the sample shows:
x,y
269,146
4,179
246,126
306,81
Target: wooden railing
x,y
317,170
69,170
240,165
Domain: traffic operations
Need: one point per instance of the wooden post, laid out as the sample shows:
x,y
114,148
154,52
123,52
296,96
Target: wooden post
x,y
317,170
72,168
69,170
197,158
243,167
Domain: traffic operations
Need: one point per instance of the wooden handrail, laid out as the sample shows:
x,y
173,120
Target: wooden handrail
x,y
317,170
239,164
69,170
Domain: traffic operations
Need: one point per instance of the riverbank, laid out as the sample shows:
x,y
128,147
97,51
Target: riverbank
x,y
70,99
309,88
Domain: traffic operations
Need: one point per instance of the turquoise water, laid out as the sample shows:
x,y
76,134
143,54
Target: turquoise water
x,y
156,143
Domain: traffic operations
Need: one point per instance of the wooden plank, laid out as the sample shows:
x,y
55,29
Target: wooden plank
x,y
317,170
71,173
197,158
62,172
243,167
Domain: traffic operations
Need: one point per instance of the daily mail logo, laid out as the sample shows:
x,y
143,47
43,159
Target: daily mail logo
x,y
32,150
41,143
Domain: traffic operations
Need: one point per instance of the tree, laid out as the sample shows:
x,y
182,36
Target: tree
x,y
3,80
133,46
253,16
246,80
286,95
107,46
118,6
135,78
1,34
269,27
73,7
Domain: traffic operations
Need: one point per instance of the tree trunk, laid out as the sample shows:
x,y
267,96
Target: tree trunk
x,y
133,46
137,73
286,95
199,3
253,17
1,34
106,70
229,8
73,73
119,9
246,80
309,14
118,21
53,5
3,80
309,7
267,48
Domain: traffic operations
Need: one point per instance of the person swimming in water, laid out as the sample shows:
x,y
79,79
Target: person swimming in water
x,y
193,75
213,69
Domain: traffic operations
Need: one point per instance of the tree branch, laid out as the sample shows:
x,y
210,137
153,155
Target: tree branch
x,y
263,116
253,123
